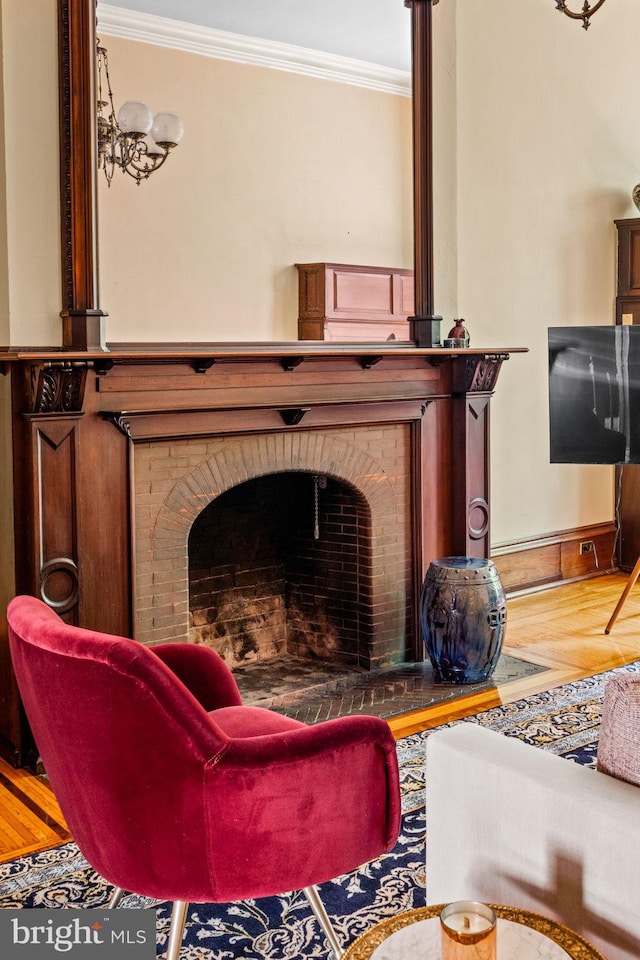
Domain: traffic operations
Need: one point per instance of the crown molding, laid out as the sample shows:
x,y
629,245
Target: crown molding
x,y
163,32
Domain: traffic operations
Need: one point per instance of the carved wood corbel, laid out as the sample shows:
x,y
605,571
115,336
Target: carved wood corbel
x,y
292,417
482,372
58,387
120,421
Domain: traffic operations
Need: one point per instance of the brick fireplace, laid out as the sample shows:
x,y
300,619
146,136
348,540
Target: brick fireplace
x,y
348,593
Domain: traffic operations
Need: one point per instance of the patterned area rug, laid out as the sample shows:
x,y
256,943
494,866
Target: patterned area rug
x,y
564,720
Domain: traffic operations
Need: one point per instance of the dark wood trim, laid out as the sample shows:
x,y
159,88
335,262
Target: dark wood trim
x,y
51,465
424,326
628,312
421,29
145,425
82,319
628,487
628,281
555,558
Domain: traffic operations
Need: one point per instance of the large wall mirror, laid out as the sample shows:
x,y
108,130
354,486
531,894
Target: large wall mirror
x,y
277,165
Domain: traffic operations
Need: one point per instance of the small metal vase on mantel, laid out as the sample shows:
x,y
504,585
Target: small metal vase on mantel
x,y
463,612
635,193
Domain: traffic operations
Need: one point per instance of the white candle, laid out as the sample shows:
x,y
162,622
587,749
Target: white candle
x,y
468,931
467,922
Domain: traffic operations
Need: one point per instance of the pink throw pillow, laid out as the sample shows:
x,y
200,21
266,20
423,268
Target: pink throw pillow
x,y
619,743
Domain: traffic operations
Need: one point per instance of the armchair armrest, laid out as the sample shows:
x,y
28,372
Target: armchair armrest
x,y
203,672
335,782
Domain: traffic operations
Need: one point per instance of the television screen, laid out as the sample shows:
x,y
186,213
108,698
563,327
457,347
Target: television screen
x,y
594,394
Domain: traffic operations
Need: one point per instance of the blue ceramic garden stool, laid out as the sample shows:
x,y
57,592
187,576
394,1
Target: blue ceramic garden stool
x,y
463,611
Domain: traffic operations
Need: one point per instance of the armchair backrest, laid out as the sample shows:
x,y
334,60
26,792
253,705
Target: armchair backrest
x,y
124,744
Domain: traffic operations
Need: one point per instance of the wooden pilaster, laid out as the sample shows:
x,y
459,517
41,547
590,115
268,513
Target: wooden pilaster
x,y
425,325
82,319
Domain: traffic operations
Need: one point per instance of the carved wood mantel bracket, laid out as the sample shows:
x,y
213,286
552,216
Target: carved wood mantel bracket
x,y
58,386
482,372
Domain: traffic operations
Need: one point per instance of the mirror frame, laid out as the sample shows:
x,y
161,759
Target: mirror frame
x,y
83,321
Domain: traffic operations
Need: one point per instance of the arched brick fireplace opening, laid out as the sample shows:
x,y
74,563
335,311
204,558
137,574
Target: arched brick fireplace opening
x,y
367,476
280,566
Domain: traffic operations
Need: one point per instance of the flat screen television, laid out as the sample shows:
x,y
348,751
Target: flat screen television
x,y
594,394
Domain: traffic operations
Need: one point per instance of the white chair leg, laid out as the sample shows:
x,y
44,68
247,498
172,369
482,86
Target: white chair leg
x,y
116,897
176,931
319,912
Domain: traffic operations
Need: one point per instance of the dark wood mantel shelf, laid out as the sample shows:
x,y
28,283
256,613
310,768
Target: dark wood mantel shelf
x,y
220,352
159,378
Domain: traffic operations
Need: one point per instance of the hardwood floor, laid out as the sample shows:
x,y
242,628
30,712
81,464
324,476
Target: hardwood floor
x,y
30,818
561,628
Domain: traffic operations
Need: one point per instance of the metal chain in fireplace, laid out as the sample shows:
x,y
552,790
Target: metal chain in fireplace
x,y
319,483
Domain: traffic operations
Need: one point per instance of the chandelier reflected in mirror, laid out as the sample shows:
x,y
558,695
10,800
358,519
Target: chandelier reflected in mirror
x,y
588,10
134,139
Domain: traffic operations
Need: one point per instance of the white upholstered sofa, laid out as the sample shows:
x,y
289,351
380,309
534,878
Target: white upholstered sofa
x,y
512,824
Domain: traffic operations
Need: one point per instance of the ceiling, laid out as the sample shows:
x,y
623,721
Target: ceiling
x,y
376,31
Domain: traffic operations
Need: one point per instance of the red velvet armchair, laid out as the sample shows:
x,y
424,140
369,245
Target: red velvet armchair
x,y
174,790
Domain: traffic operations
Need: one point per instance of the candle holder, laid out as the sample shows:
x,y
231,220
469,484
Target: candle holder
x,y
468,931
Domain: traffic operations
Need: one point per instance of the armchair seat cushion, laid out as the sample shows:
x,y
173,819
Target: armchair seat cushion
x,y
241,722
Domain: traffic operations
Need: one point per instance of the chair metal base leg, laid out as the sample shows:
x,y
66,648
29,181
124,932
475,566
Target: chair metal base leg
x,y
176,932
116,897
319,912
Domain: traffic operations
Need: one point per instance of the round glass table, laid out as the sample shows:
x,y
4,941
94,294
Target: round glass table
x,y
521,936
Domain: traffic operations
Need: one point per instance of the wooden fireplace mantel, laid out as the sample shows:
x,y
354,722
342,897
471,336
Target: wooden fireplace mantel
x,y
78,417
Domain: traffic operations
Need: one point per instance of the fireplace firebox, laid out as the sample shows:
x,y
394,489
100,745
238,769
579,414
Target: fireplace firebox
x,y
280,566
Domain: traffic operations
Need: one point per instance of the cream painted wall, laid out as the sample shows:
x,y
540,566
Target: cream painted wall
x,y
548,152
274,169
30,285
